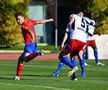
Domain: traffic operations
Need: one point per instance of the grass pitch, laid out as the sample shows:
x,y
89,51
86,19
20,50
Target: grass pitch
x,y
37,76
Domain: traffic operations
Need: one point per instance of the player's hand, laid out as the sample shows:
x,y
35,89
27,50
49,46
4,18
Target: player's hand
x,y
61,47
26,28
51,19
101,24
32,40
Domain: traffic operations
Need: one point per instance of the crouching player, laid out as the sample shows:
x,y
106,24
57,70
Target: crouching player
x,y
76,35
64,58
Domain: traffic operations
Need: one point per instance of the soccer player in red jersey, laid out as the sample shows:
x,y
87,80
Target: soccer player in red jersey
x,y
29,35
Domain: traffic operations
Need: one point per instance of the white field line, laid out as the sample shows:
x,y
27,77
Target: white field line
x,y
47,87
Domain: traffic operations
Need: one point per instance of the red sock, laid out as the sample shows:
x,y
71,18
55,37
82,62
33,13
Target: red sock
x,y
31,56
19,69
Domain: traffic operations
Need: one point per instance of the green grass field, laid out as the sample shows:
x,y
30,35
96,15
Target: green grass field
x,y
37,76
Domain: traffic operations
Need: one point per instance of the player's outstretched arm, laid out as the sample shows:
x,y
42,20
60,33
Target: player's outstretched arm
x,y
44,21
99,25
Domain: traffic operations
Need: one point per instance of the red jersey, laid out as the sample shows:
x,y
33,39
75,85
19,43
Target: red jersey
x,y
26,26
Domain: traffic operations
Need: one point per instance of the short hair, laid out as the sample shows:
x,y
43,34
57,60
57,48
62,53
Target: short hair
x,y
18,14
91,14
78,10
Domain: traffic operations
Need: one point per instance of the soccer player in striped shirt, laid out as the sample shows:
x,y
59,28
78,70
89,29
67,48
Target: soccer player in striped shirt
x,y
77,38
91,41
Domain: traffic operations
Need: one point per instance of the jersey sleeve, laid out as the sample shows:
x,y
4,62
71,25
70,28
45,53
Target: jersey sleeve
x,y
72,15
68,27
28,24
34,22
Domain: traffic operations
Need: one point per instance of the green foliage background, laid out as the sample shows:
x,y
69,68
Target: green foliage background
x,y
10,33
100,9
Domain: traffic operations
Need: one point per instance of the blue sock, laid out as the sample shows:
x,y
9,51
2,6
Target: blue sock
x,y
84,54
96,55
58,69
66,61
73,61
82,64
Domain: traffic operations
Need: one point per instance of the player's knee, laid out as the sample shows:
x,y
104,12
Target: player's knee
x,y
94,48
20,60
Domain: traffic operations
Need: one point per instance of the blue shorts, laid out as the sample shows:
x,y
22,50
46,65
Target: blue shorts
x,y
30,48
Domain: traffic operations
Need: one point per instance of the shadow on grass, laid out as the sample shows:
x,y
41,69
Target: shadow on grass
x,y
37,75
30,77
7,78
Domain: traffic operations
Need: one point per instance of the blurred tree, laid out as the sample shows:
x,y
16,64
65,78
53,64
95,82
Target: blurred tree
x,y
10,33
100,9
